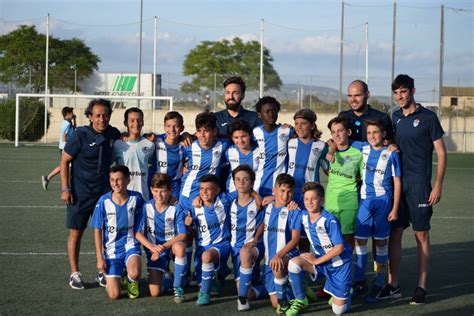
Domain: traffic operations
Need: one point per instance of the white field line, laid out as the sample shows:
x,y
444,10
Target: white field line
x,y
41,253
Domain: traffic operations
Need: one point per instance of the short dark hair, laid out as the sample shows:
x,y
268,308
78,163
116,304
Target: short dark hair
x,y
365,87
240,125
245,168
92,103
237,80
267,100
121,168
174,115
286,179
66,110
161,180
209,178
403,81
207,120
131,110
340,120
314,186
375,122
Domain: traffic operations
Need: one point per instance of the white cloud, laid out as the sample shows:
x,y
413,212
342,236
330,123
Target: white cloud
x,y
247,37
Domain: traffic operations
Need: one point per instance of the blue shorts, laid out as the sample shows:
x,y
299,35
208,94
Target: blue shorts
x,y
114,267
161,264
338,279
414,207
372,218
79,212
235,252
223,248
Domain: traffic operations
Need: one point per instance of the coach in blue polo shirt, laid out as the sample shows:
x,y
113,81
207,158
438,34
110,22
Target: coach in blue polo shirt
x,y
234,94
357,96
89,151
417,132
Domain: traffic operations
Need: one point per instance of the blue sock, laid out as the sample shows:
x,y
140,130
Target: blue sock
x,y
296,280
245,281
179,271
381,260
281,285
360,263
189,256
260,291
207,276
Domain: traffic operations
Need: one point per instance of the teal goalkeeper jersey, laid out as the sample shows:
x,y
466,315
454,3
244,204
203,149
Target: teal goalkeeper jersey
x,y
341,191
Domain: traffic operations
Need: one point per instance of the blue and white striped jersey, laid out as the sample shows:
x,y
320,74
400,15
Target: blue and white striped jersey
x,y
213,224
201,162
273,155
168,159
136,155
161,227
235,158
278,226
304,161
118,223
244,221
379,166
324,234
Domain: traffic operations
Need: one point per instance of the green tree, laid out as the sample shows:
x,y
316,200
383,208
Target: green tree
x,y
23,54
226,58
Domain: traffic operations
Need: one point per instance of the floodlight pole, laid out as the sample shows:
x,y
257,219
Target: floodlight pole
x,y
341,59
367,53
155,27
46,88
140,53
394,28
441,59
261,57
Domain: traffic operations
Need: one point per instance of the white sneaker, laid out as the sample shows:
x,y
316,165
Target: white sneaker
x,y
242,304
75,281
45,182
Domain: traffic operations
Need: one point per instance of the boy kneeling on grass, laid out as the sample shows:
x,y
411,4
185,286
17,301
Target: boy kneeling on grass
x,y
162,232
281,236
332,256
115,218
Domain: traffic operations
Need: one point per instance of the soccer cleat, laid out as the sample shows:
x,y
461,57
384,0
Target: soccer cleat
x,y
75,281
359,288
100,278
374,292
282,307
312,297
178,295
296,306
45,182
418,297
203,299
389,292
133,290
242,304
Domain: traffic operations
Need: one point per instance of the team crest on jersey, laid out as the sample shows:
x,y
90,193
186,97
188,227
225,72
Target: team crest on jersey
x,y
146,150
283,214
416,122
316,151
384,157
217,154
169,220
320,230
347,158
251,214
131,210
283,136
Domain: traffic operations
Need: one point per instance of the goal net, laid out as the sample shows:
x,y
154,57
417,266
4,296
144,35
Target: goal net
x,y
33,118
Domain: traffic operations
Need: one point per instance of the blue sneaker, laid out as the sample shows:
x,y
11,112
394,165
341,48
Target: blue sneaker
x,y
203,299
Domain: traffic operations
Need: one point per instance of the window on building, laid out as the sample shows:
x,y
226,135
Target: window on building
x,y
454,101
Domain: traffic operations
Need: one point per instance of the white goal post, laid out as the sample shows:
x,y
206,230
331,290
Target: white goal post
x,y
75,96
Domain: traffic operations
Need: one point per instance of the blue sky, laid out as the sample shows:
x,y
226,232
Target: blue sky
x,y
303,36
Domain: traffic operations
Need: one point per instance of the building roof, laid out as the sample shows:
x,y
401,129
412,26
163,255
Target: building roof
x,y
458,91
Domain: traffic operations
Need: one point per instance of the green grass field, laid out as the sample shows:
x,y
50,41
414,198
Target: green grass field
x,y
34,269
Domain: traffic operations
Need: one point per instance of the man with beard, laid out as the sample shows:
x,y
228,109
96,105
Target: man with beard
x,y
234,94
357,96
